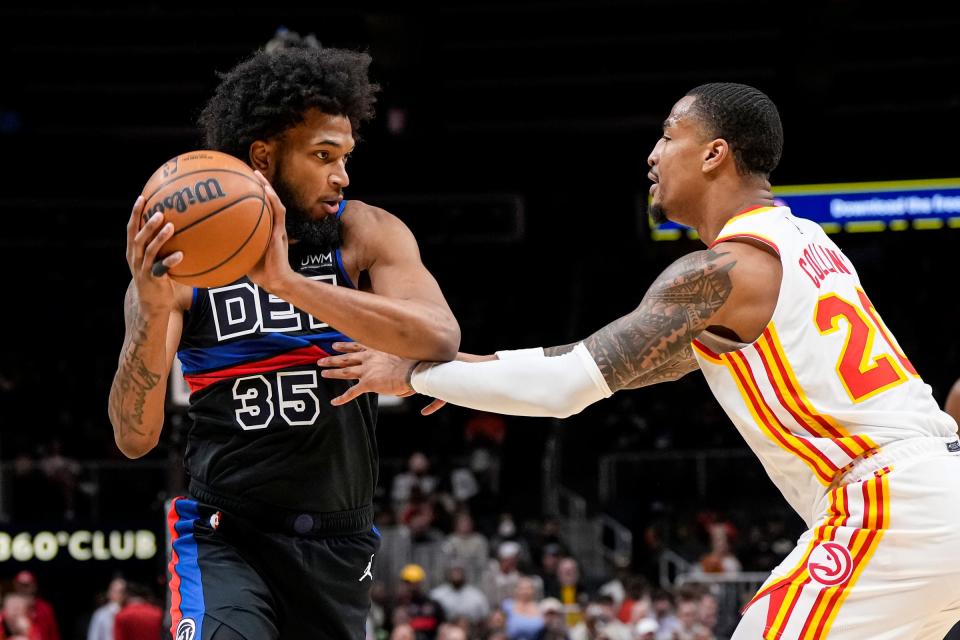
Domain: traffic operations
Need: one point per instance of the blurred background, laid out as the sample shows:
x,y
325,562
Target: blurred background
x,y
512,138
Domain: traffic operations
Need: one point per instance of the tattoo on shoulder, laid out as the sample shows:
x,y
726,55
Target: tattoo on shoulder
x,y
676,308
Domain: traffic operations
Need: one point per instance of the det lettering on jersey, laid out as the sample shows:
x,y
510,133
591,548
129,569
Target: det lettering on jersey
x,y
244,308
818,262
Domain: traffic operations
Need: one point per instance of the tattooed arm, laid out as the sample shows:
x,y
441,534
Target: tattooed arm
x,y
731,291
153,315
136,405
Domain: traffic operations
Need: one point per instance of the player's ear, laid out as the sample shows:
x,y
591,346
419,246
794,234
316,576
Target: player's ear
x,y
262,157
715,154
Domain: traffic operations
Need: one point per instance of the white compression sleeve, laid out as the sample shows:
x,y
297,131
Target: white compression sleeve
x,y
558,386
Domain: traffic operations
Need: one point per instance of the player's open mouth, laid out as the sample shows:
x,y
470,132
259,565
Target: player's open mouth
x,y
330,207
654,179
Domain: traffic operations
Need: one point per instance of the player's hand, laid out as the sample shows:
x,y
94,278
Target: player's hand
x,y
375,371
273,270
154,287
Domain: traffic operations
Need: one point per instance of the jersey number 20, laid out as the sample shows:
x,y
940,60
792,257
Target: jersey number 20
x,y
861,377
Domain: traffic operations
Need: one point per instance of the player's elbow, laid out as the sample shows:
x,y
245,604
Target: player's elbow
x,y
135,448
442,341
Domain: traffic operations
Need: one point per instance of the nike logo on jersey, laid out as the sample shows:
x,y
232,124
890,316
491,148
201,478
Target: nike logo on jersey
x,y
368,572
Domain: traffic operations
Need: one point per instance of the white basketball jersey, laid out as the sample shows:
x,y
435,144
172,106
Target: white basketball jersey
x,y
826,382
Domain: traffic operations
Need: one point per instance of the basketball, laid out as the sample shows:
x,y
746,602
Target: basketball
x,y
220,215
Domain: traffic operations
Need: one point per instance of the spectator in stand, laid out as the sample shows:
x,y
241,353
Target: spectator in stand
x,y
15,619
636,605
424,614
664,613
568,576
466,548
719,559
496,625
101,624
42,617
417,475
646,629
709,611
688,611
139,618
460,599
554,620
499,580
600,623
403,632
451,632
549,561
524,620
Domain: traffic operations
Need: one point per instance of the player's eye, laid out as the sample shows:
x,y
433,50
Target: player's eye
x,y
323,155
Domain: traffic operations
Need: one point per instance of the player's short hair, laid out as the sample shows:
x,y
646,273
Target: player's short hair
x,y
746,118
271,91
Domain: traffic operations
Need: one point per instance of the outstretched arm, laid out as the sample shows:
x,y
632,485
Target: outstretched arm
x,y
648,345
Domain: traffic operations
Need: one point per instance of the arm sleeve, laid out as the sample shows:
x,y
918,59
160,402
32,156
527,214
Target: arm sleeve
x,y
558,386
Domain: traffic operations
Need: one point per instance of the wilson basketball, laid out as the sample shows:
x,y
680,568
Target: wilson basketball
x,y
220,215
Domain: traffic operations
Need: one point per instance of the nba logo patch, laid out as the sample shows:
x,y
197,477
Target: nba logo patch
x,y
214,523
186,630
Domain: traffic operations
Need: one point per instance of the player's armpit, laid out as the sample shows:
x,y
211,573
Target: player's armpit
x,y
681,303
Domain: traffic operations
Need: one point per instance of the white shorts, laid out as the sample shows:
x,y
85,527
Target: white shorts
x,y
882,561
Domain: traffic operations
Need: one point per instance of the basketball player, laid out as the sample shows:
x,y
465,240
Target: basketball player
x,y
275,538
774,315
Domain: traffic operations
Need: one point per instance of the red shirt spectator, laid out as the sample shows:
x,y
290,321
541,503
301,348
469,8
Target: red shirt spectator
x,y
15,619
138,620
43,620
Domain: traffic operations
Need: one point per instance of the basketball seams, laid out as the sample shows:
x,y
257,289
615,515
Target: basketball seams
x,y
216,211
147,199
263,205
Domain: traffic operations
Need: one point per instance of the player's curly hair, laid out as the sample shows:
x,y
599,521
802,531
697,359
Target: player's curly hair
x,y
747,119
271,91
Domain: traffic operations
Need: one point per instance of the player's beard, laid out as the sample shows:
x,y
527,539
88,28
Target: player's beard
x,y
657,214
324,233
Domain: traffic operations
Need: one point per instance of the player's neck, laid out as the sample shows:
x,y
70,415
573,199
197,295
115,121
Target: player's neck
x,y
718,208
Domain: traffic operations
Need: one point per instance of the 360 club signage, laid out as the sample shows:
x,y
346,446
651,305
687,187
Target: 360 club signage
x,y
82,545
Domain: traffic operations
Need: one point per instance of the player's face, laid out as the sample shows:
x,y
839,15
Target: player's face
x,y
675,165
311,174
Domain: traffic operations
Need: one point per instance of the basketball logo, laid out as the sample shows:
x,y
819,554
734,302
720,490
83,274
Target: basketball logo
x,y
186,630
830,564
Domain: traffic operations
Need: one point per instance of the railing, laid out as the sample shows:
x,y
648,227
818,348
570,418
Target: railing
x,y
613,465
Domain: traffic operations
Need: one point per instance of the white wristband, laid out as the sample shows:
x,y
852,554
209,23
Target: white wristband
x,y
533,352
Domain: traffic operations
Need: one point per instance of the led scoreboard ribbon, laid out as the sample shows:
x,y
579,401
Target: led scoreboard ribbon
x,y
862,206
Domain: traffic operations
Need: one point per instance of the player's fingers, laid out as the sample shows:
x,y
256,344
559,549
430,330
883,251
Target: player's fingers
x,y
150,253
433,407
341,361
348,373
142,237
163,266
349,347
407,394
352,393
133,224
